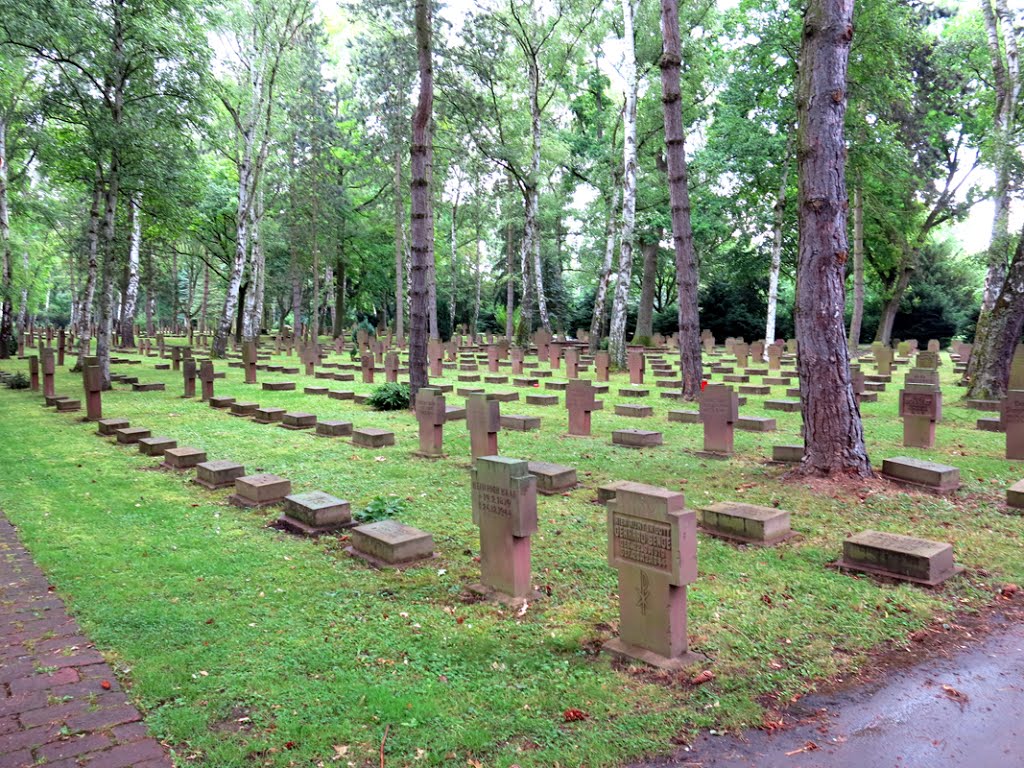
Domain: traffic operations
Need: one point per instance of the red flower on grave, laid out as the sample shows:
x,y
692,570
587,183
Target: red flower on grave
x,y
574,715
703,386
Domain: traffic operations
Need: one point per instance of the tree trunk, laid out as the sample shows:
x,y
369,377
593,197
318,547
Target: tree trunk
x,y
474,328
23,305
106,329
399,248
339,296
620,304
131,290
994,354
533,195
679,198
93,240
857,317
150,298
892,305
645,311
205,302
604,278
6,272
455,261
421,154
510,284
832,430
776,268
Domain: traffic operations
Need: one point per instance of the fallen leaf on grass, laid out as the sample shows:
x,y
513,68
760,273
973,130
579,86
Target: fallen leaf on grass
x,y
702,677
958,696
572,715
340,750
1009,590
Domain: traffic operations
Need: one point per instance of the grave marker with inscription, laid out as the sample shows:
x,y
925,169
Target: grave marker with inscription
x,y
719,410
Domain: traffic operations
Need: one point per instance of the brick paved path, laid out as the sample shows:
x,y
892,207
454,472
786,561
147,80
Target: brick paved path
x,y
60,704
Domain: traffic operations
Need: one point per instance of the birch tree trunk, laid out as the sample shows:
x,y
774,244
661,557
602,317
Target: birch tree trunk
x,y
399,250
617,332
150,298
131,291
604,278
857,317
23,305
205,301
533,195
776,268
645,309
6,272
832,429
421,154
478,280
679,199
454,261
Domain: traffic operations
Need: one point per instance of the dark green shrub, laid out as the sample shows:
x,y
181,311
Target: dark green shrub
x,y
19,381
389,397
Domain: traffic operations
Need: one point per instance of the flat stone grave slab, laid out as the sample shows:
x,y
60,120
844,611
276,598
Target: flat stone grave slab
x,y
107,427
542,399
454,412
221,402
520,382
51,400
776,381
519,423
788,454
260,490
371,437
871,386
924,474
983,405
503,397
634,392
360,399
543,374
793,392
156,386
906,558
389,543
344,377
1015,495
556,386
755,423
341,394
755,389
608,490
684,417
552,478
218,474
868,397
745,523
334,428
131,435
290,369
314,390
789,406
244,410
496,379
155,446
183,458
467,391
278,386
66,405
298,420
268,415
736,378
636,438
600,389
989,424
162,367
469,377
315,513
634,411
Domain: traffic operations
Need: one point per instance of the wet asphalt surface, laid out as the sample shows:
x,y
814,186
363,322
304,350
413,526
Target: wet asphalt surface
x,y
965,709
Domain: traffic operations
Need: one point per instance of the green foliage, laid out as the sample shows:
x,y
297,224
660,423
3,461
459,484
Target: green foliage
x,y
381,508
392,396
18,381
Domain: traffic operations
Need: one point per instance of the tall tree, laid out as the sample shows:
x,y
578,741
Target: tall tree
x,y
422,247
679,200
832,429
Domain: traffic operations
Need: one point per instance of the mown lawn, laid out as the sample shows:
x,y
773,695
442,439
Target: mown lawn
x,y
245,646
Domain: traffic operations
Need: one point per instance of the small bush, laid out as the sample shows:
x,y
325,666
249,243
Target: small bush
x,y
19,381
381,509
389,397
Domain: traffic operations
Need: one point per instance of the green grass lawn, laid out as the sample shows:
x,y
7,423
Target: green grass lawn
x,y
246,646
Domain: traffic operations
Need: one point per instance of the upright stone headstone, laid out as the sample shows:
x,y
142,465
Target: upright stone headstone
x,y
175,358
366,363
391,367
505,509
493,353
33,373
435,356
719,410
883,361
61,346
579,400
431,415
517,361
742,352
652,542
920,407
49,369
572,362
1013,420
928,360
92,382
775,356
483,419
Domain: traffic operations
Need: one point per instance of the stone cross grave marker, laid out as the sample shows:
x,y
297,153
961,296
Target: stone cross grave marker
x,y
249,361
366,362
435,353
430,413
883,361
1013,420
206,377
572,362
33,373
775,356
92,383
601,362
505,509
742,352
719,410
652,542
517,361
637,362
579,400
492,358
483,419
49,369
188,374
391,367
